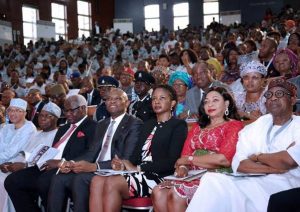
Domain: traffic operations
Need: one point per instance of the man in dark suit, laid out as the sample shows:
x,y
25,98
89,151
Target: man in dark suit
x,y
87,90
203,80
117,135
72,140
36,103
142,107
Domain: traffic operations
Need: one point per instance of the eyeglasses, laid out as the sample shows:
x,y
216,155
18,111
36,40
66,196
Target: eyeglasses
x,y
15,111
278,94
71,110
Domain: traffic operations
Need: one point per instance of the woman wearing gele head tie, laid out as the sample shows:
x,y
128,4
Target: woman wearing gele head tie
x,y
181,82
160,144
285,62
251,101
210,145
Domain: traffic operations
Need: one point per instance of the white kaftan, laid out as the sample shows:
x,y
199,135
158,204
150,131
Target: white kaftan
x,y
219,192
37,138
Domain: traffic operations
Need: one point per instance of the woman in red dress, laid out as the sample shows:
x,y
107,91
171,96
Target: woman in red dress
x,y
210,144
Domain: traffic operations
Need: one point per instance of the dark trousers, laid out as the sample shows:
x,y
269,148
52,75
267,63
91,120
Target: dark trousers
x,y
62,185
285,201
26,185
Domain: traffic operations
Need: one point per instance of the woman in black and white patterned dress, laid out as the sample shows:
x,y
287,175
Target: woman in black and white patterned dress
x,y
161,142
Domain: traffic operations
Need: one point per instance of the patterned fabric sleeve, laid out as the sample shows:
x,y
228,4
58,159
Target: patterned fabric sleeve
x,y
187,148
230,138
239,99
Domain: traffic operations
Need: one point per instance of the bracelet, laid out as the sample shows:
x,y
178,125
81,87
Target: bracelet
x,y
184,167
190,159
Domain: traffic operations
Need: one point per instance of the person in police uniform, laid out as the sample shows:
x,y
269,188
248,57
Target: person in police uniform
x,y
141,107
105,84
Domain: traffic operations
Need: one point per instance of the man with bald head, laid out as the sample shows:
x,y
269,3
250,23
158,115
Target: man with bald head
x,y
72,140
117,135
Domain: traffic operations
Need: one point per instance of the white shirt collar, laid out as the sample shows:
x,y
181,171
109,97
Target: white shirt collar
x,y
118,119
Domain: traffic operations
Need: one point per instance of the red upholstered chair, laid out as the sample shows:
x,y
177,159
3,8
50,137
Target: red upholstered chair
x,y
140,203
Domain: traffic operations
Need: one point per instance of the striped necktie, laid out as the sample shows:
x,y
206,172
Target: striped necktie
x,y
65,136
107,141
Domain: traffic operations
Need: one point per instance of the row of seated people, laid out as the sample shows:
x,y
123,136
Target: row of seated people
x,y
250,100
248,89
152,151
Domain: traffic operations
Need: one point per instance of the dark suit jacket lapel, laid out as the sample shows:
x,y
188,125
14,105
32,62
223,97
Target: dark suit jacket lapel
x,y
119,131
73,137
100,133
38,110
200,97
102,127
94,94
197,96
40,107
61,131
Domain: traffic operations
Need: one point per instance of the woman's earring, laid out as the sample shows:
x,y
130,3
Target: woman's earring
x,y
226,112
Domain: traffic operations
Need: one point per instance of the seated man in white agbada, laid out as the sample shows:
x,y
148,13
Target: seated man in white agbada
x,y
271,146
14,136
47,121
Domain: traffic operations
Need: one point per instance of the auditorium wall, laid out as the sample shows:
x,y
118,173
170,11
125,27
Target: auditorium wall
x,y
251,10
11,11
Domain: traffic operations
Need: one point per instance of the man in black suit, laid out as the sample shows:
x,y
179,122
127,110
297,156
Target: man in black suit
x,y
72,140
117,135
142,107
87,90
35,101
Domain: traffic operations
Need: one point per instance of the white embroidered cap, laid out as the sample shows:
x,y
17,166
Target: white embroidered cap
x,y
19,103
52,108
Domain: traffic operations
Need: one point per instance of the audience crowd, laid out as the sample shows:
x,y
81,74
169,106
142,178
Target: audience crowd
x,y
152,104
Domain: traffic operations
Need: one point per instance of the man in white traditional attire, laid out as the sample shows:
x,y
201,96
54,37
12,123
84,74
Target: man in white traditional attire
x,y
271,146
14,136
47,121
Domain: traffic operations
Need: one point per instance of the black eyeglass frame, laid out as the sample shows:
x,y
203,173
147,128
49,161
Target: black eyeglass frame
x,y
278,94
72,110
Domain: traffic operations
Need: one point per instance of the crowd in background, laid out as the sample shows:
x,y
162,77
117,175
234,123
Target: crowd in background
x,y
186,65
